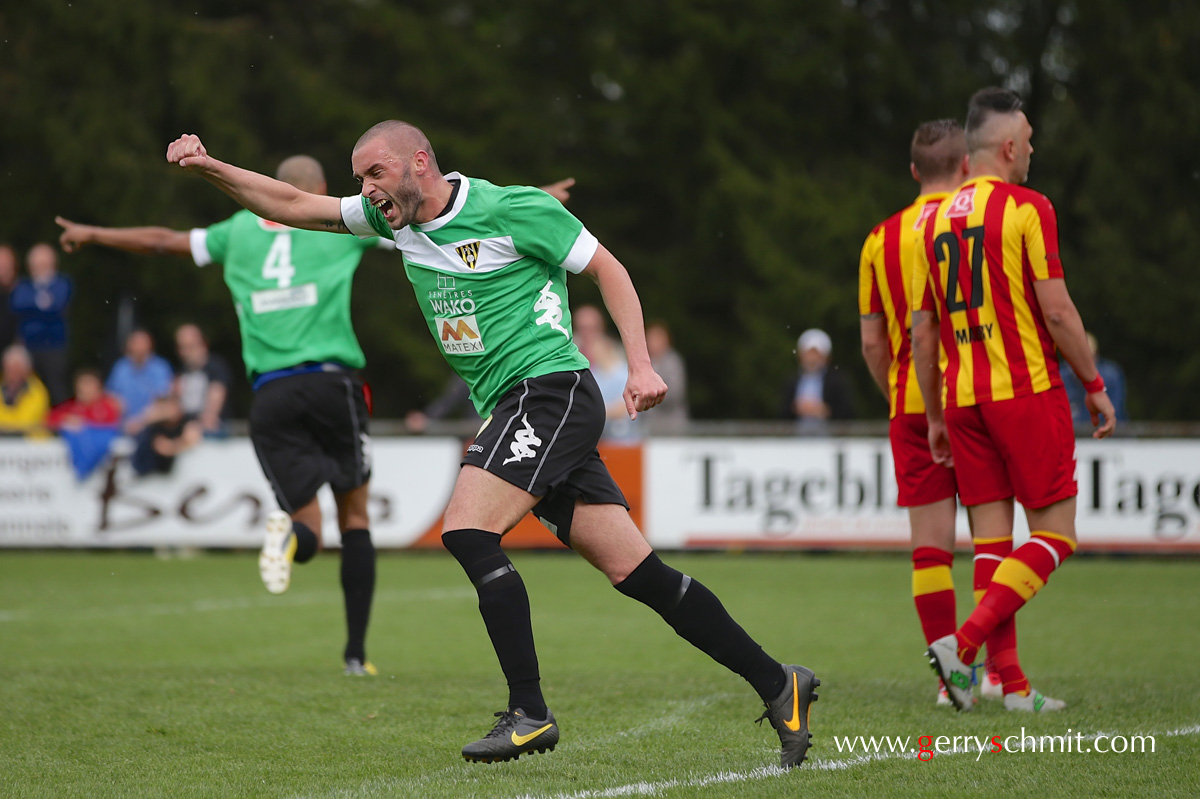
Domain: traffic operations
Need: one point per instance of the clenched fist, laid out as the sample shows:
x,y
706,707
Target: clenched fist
x,y
187,151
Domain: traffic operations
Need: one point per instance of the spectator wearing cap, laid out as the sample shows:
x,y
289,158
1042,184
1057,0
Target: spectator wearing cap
x,y
819,392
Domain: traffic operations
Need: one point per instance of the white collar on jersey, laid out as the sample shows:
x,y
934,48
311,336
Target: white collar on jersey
x,y
460,200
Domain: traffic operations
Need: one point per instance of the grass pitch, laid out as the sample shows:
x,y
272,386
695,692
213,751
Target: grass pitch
x,y
125,675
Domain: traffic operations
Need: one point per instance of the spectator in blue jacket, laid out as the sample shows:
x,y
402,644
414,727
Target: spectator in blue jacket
x,y
137,379
40,302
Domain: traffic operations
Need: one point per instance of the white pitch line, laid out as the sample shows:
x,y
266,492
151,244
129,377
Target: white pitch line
x,y
764,772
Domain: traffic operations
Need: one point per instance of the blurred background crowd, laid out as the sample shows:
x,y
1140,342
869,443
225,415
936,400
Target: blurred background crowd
x,y
734,156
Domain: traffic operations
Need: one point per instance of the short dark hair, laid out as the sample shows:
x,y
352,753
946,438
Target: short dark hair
x,y
985,103
938,148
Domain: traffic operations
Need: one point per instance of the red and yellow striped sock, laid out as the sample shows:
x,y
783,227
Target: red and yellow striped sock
x,y
1002,643
1021,575
933,591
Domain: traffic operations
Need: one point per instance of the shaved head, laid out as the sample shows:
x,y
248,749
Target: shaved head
x,y
402,139
394,164
992,117
999,135
938,148
304,172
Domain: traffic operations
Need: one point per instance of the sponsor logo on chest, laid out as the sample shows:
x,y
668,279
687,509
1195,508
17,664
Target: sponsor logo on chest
x,y
454,321
459,335
963,203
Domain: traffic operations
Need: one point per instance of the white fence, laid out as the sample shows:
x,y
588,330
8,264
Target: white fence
x,y
716,492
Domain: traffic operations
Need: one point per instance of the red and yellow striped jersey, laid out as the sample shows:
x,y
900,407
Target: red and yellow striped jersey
x,y
981,252
885,278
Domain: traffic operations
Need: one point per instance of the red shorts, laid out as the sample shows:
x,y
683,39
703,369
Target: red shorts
x,y
1023,447
920,480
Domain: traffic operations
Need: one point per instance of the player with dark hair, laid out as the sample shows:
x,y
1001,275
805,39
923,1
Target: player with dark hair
x,y
308,422
489,267
989,284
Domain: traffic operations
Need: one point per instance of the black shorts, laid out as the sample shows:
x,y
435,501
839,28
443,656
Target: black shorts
x,y
541,437
308,430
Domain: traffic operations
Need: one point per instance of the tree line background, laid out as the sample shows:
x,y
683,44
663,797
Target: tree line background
x,y
733,155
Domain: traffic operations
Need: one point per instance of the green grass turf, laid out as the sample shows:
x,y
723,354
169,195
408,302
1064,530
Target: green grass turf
x,y
125,675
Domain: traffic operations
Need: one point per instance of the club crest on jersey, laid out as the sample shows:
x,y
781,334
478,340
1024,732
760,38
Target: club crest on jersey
x,y
549,305
523,443
469,254
963,203
459,335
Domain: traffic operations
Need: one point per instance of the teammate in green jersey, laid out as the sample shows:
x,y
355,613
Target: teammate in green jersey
x,y
489,266
308,423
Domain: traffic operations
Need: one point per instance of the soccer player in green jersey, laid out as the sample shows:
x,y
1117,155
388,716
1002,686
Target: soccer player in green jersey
x,y
308,422
489,265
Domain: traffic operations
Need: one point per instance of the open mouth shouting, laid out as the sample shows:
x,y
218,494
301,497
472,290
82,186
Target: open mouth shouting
x,y
386,207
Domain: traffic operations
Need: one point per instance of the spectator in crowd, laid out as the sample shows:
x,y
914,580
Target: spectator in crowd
x,y
88,422
8,282
607,364
671,415
40,302
137,379
24,401
818,392
168,432
1114,384
453,402
91,405
203,381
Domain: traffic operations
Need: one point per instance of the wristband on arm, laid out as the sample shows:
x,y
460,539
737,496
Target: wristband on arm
x,y
1094,386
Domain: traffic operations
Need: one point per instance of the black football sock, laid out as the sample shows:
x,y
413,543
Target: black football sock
x,y
504,605
306,542
699,618
358,587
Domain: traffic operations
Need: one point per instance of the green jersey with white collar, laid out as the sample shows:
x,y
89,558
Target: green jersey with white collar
x,y
490,277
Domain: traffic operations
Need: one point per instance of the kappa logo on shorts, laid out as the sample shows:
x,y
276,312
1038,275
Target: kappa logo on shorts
x,y
525,441
365,443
